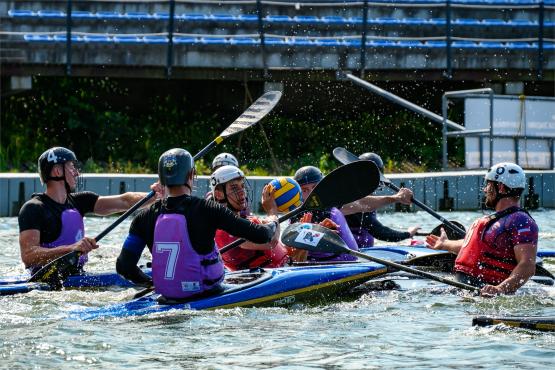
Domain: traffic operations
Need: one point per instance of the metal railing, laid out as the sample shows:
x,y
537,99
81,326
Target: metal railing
x,y
483,134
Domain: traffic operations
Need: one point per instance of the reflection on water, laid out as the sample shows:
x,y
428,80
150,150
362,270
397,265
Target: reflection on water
x,y
423,325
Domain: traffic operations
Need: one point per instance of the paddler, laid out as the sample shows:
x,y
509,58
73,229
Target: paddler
x,y
365,225
308,177
180,231
229,188
498,252
225,159
51,223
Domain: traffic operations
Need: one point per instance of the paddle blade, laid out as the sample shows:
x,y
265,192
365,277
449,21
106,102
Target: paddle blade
x,y
451,234
55,272
313,237
344,156
344,185
258,110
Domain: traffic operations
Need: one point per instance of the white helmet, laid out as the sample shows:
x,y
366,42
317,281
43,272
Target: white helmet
x,y
225,159
225,174
509,174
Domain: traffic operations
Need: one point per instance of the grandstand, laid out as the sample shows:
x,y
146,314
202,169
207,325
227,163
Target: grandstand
x,y
437,39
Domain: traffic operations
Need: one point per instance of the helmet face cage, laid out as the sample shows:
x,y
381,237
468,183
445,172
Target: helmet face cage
x,y
225,174
234,190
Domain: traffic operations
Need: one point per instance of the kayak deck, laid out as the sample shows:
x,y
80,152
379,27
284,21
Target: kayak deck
x,y
280,287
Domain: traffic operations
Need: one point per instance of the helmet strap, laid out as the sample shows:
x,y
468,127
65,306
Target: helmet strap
x,y
60,178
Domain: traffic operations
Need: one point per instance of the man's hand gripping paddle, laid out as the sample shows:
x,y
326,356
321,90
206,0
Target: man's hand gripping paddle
x,y
55,272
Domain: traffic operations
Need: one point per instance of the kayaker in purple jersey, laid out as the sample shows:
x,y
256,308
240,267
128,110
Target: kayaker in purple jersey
x,y
365,225
51,223
308,177
180,231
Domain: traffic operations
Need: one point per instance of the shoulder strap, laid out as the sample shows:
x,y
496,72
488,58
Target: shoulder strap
x,y
498,215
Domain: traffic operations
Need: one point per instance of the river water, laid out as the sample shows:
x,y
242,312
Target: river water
x,y
423,325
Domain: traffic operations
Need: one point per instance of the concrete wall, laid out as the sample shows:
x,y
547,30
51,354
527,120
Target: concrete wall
x,y
463,187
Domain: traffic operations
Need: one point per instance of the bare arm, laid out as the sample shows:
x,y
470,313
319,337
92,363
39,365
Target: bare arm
x,y
265,246
372,202
443,243
106,205
525,255
32,254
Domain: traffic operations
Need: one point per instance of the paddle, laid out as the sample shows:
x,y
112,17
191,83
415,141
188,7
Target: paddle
x,y
316,238
344,157
455,229
437,230
343,185
55,272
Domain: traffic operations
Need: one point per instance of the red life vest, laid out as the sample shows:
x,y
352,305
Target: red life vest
x,y
485,261
241,259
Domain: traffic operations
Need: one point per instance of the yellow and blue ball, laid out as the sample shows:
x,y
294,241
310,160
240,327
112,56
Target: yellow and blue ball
x,y
287,193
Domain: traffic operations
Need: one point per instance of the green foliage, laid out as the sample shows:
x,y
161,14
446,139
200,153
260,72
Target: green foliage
x,y
108,136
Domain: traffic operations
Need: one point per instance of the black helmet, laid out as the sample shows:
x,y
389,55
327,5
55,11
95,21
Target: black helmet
x,y
374,158
308,175
174,167
51,157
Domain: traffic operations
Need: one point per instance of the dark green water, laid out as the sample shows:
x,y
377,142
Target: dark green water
x,y
424,325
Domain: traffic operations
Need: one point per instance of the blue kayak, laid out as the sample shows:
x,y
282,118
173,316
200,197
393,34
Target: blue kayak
x,y
18,284
280,287
417,255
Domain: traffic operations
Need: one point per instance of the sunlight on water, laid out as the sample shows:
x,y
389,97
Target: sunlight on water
x,y
423,325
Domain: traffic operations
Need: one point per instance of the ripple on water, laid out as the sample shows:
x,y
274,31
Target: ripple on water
x,y
421,325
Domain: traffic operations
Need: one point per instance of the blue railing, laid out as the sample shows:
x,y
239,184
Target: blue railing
x,y
264,39
277,19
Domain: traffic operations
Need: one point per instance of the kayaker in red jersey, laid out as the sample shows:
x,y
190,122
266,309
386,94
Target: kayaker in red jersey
x,y
222,159
51,223
225,159
180,231
498,253
228,185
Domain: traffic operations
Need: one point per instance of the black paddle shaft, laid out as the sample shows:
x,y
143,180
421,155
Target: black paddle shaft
x,y
460,232
332,243
254,113
414,271
344,157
